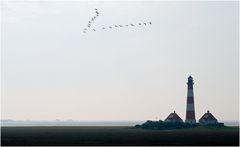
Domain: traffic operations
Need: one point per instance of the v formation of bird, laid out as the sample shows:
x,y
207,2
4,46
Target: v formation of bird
x,y
96,15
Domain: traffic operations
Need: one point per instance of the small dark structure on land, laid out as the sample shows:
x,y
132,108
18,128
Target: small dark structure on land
x,y
207,119
173,117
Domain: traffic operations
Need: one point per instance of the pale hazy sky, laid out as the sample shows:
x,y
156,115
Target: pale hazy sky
x,y
51,70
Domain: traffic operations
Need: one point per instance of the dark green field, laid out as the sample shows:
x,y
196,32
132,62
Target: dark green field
x,y
117,136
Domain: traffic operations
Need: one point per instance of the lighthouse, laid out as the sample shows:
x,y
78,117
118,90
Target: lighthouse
x,y
190,113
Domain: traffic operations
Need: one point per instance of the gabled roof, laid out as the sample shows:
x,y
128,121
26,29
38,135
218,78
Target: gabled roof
x,y
208,117
173,117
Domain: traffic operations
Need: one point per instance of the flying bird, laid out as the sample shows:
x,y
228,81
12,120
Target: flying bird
x,y
120,26
145,23
116,26
150,23
93,29
103,27
126,25
139,24
110,27
132,25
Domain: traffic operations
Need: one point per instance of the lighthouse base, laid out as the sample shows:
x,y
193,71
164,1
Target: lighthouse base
x,y
193,121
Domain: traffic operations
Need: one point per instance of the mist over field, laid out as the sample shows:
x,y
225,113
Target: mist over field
x,y
84,123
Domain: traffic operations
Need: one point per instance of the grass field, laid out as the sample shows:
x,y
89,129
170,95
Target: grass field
x,y
118,136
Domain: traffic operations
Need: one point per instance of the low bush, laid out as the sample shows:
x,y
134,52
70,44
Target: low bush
x,y
161,125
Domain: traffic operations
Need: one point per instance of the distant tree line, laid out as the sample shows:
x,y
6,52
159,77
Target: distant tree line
x,y
161,125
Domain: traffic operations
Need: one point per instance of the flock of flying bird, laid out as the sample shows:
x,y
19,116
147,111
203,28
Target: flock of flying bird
x,y
90,22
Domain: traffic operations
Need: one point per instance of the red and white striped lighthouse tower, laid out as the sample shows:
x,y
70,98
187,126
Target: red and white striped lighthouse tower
x,y
190,114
